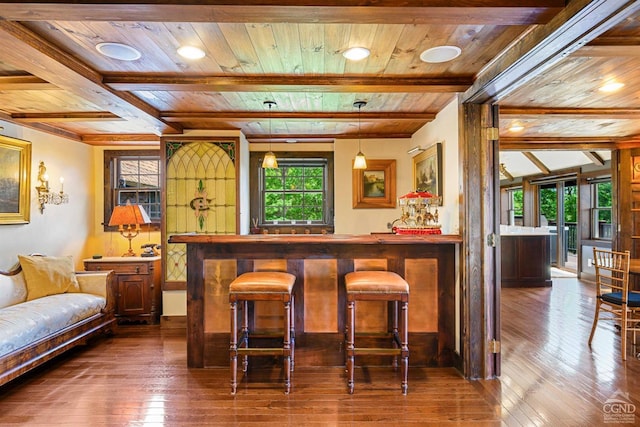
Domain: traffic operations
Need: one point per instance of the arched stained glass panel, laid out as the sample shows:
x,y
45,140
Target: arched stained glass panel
x,y
200,196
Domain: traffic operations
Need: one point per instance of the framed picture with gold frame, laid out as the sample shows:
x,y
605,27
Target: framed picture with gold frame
x,y
375,186
15,178
427,170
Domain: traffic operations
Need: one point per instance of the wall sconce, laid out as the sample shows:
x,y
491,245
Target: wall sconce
x,y
128,219
414,150
45,197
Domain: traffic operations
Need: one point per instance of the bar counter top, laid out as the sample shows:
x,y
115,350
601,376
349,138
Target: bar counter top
x,y
310,239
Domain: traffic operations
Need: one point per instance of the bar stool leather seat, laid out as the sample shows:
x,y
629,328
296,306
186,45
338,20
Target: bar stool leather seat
x,y
261,286
378,286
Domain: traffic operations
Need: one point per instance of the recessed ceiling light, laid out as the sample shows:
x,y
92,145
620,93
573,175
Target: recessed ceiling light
x,y
119,51
356,53
191,52
611,86
440,54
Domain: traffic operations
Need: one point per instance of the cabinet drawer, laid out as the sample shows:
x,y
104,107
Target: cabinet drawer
x,y
128,268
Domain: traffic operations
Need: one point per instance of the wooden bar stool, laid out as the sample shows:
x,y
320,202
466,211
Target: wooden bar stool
x,y
378,286
261,286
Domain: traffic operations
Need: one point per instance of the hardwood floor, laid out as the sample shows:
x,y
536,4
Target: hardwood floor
x,y
550,377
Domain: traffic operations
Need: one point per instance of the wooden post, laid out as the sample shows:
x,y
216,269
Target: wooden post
x,y
479,223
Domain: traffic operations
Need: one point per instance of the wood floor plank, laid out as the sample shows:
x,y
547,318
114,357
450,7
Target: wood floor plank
x,y
550,377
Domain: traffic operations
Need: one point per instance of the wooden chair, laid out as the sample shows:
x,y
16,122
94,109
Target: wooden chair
x,y
613,296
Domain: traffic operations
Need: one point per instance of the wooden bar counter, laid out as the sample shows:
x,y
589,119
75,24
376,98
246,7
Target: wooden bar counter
x,y
320,262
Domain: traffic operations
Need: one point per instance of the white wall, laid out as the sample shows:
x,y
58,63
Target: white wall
x,y
443,129
364,221
62,229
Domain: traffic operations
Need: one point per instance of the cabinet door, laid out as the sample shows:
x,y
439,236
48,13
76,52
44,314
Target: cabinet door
x,y
133,298
533,253
509,255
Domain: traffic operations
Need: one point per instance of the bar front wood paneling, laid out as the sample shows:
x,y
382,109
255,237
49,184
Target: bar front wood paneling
x,y
319,262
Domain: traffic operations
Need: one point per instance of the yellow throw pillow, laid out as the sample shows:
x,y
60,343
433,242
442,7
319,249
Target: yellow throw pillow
x,y
46,275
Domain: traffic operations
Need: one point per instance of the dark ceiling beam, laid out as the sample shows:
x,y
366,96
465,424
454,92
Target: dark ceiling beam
x,y
504,172
43,127
306,116
25,82
40,58
610,46
121,139
488,12
81,116
630,141
601,113
317,139
537,162
323,137
137,139
545,45
626,40
608,51
560,143
333,84
595,158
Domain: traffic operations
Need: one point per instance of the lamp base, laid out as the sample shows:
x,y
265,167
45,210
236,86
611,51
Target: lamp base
x,y
130,237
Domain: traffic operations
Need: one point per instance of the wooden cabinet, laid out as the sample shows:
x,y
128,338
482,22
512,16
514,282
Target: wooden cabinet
x,y
525,261
139,291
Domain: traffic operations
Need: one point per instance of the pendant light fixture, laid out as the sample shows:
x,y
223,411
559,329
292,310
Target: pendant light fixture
x,y
269,161
360,161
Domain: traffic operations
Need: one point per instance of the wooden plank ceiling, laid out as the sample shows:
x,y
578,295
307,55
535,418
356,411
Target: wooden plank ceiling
x,y
542,61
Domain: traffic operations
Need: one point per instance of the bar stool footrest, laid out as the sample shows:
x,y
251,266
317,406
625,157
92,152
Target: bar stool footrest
x,y
262,351
378,351
265,334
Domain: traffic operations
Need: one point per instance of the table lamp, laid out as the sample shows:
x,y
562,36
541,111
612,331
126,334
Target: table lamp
x,y
128,219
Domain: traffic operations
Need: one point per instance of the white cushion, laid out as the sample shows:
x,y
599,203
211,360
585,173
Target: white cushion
x,y
22,324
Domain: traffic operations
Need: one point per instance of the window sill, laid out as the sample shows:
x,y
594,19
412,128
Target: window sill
x,y
293,229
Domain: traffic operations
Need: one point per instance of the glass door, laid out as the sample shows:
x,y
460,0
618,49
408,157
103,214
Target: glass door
x,y
558,211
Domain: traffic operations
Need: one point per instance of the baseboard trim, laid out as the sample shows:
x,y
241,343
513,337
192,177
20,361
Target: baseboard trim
x,y
173,322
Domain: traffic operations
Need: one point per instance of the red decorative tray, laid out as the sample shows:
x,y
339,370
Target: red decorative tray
x,y
418,231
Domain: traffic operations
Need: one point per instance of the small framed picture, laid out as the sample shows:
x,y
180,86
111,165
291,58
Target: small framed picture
x,y
375,186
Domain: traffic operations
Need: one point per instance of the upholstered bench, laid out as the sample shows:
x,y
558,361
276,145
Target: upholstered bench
x,y
47,308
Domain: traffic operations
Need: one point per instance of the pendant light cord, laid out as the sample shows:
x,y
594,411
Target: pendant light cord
x,y
270,160
270,120
360,161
